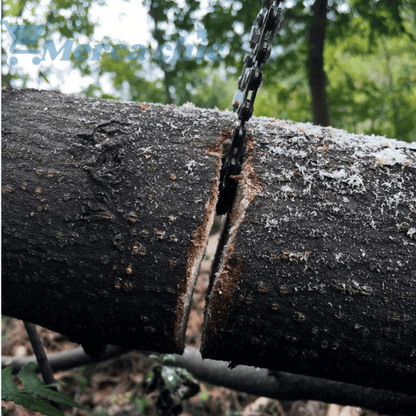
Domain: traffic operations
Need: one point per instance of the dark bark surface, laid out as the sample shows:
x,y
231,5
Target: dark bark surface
x,y
107,208
318,272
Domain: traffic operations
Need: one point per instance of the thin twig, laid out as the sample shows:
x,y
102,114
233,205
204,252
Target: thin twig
x,y
42,359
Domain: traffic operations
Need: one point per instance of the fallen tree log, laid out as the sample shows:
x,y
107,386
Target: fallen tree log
x,y
107,208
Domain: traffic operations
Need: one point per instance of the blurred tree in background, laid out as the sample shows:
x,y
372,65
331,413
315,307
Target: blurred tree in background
x,y
345,63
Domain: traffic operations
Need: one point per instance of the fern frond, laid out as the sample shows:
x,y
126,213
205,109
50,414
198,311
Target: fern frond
x,y
8,389
34,395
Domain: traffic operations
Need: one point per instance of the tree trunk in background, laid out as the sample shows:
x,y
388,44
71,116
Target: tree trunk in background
x,y
317,78
158,36
107,208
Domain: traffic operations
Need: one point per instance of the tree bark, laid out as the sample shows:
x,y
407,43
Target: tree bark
x,y
317,77
107,208
318,269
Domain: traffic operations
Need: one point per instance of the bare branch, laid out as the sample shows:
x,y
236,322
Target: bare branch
x,y
256,381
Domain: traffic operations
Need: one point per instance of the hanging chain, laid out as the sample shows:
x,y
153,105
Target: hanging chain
x,y
262,33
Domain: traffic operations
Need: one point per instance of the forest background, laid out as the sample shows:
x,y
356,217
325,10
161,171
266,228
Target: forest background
x,y
349,64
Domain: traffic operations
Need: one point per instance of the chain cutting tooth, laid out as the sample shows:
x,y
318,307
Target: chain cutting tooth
x,y
254,36
238,98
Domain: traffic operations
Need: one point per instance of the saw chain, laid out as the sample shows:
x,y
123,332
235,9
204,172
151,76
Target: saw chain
x,y
262,33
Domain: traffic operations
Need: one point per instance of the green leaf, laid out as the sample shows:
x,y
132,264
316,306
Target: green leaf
x,y
10,392
8,388
34,395
32,384
13,8
37,405
43,76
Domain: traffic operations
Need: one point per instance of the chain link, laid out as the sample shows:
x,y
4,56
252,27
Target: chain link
x,y
262,33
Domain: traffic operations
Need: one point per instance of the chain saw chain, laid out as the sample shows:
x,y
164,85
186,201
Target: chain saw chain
x,y
262,33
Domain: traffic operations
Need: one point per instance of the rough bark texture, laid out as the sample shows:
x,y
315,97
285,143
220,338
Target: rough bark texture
x,y
318,270
107,208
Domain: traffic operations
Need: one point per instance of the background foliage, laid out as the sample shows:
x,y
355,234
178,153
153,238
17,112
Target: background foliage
x,y
368,59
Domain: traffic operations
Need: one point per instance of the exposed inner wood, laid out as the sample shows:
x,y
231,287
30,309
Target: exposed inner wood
x,y
228,274
196,250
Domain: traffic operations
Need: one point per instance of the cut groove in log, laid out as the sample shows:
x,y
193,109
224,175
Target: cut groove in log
x,y
107,207
318,271
196,250
225,281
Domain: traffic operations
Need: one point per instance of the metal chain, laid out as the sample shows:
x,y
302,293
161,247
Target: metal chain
x,y
262,33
